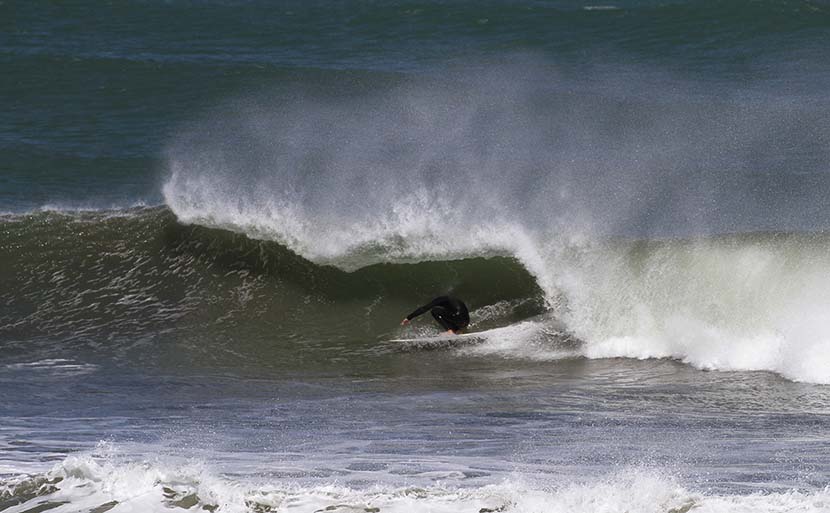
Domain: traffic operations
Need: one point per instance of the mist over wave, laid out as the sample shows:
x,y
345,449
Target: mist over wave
x,y
557,171
438,164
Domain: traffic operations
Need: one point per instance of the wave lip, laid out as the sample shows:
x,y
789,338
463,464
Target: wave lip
x,y
411,229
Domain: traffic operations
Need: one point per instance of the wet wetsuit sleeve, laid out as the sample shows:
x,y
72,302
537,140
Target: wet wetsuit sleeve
x,y
435,302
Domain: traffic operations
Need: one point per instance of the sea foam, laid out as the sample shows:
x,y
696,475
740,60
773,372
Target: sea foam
x,y
93,483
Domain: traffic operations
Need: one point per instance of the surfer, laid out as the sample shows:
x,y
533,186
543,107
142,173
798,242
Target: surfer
x,y
451,313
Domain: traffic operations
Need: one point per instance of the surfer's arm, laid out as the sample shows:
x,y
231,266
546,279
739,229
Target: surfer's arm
x,y
435,302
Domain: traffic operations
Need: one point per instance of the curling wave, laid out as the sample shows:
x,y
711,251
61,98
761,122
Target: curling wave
x,y
152,288
639,225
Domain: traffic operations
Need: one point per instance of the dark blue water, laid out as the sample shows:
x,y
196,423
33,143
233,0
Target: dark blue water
x,y
93,93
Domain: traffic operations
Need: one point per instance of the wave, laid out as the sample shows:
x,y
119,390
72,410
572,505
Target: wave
x,y
136,278
88,483
605,201
647,226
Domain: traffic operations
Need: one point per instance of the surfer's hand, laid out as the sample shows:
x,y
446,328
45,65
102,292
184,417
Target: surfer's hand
x,y
405,321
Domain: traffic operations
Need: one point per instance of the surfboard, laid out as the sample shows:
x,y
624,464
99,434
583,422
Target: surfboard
x,y
529,331
477,337
440,341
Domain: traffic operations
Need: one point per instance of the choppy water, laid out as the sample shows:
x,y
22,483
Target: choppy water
x,y
215,214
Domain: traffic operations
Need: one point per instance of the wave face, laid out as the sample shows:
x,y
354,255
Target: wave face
x,y
139,285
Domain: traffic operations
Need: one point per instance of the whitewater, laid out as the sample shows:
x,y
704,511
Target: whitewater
x,y
96,484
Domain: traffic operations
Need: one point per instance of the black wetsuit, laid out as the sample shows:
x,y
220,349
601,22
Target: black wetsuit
x,y
450,312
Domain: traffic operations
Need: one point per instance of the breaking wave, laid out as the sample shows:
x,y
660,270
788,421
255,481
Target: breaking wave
x,y
634,207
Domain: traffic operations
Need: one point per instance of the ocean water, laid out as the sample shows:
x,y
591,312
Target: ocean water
x,y
213,216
